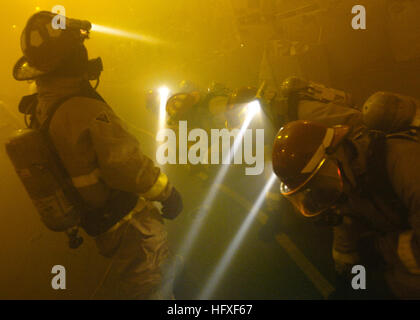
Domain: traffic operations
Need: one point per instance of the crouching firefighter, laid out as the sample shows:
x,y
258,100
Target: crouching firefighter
x,y
297,99
81,167
365,184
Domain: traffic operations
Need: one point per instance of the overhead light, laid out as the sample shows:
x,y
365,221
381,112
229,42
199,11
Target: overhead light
x,y
163,99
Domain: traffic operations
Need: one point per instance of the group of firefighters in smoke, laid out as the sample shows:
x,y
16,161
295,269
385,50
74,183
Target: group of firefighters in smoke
x,y
355,169
348,167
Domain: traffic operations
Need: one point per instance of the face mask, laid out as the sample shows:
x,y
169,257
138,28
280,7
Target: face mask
x,y
333,216
94,68
321,193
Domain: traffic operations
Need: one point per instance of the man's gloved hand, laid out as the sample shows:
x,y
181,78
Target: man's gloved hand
x,y
172,206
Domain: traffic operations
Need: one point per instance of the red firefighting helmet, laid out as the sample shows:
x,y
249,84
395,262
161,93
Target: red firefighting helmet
x,y
309,179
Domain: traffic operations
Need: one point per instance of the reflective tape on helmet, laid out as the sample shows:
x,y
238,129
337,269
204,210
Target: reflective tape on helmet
x,y
320,152
405,252
87,179
159,186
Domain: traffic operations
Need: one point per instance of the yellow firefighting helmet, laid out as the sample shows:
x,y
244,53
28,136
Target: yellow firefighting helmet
x,y
180,103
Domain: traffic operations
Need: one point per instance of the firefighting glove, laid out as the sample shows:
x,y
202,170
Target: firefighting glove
x,y
172,206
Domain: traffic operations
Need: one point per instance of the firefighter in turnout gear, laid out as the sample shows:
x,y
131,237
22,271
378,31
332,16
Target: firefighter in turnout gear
x,y
366,185
200,109
296,99
299,99
115,183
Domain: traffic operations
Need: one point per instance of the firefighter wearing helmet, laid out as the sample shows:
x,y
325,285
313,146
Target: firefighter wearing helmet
x,y
202,109
363,183
107,184
183,106
235,110
299,99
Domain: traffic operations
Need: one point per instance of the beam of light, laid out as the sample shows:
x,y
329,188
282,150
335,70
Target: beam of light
x,y
252,110
236,242
163,99
122,33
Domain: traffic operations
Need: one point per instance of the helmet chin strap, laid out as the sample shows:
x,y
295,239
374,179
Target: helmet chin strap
x,y
98,80
333,216
94,70
339,156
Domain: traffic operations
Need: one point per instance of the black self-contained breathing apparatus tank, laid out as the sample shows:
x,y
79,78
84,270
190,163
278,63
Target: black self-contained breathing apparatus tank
x,y
43,179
